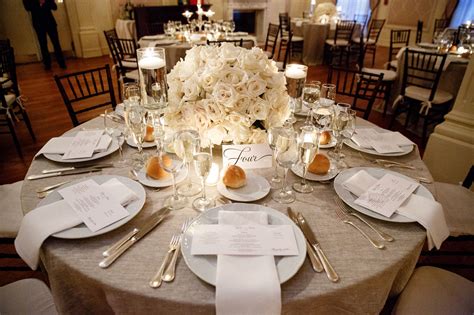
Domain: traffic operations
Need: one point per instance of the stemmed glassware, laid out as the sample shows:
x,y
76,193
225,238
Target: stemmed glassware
x,y
308,144
295,79
287,156
202,164
172,162
343,127
311,94
136,120
116,133
272,135
190,143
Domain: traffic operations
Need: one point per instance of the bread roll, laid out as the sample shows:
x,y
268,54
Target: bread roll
x,y
325,137
234,177
320,165
149,137
154,169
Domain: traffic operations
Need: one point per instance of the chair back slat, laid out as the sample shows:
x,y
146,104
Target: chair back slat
x,y
344,30
272,37
398,39
235,42
419,32
375,29
81,92
439,26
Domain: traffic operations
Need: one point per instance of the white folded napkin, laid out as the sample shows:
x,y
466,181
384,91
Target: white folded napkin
x,y
429,213
246,284
59,145
299,23
38,224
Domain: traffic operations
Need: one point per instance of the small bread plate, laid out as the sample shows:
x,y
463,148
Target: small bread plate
x,y
256,188
297,169
330,144
156,183
145,145
378,173
205,266
81,230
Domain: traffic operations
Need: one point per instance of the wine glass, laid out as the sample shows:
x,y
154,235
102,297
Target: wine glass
x,y
328,94
116,133
272,135
295,79
311,92
308,144
231,26
347,133
189,139
172,163
287,156
202,164
343,118
136,120
130,93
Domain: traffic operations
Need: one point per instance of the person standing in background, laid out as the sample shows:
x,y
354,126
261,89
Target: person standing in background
x,y
44,23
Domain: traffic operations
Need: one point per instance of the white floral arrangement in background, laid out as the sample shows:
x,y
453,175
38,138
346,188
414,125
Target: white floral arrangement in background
x,y
229,93
324,9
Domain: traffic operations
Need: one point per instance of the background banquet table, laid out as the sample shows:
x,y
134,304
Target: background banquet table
x,y
367,275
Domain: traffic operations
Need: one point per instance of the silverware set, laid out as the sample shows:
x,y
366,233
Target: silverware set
x,y
80,169
43,192
167,270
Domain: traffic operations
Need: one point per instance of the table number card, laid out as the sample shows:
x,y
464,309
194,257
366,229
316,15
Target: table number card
x,y
83,144
387,194
247,156
96,208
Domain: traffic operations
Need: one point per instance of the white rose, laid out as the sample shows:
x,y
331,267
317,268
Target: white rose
x,y
277,80
208,53
242,104
208,81
277,117
224,94
230,52
195,115
258,136
234,76
256,86
235,118
191,89
215,111
239,133
259,110
216,65
252,61
216,134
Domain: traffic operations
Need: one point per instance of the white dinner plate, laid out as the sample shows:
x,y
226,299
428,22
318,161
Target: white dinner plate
x,y
81,230
59,157
297,169
156,183
405,148
146,144
204,266
256,188
378,173
154,37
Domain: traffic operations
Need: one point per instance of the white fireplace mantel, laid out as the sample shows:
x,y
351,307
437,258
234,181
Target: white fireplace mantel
x,y
261,13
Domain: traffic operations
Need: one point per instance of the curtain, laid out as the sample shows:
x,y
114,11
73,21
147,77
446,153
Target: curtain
x,y
464,12
350,8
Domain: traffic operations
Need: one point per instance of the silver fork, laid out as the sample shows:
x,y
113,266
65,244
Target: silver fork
x,y
388,163
155,282
344,218
170,272
347,211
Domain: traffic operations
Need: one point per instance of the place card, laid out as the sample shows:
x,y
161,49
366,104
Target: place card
x,y
244,240
93,204
247,156
83,144
387,194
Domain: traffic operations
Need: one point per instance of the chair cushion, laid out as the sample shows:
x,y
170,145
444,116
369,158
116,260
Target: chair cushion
x,y
394,64
422,94
129,64
27,296
436,291
357,40
7,84
458,203
132,75
10,98
10,210
339,42
297,39
388,75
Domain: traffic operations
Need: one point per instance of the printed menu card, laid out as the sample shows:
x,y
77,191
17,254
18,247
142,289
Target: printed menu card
x,y
83,144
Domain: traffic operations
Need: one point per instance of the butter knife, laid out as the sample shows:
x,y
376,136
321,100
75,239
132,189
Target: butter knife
x,y
149,225
330,272
104,165
62,173
313,257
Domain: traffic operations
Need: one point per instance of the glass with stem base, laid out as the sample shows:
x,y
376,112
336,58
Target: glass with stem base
x,y
202,164
287,156
190,143
311,93
308,144
344,128
117,133
295,79
172,163
136,120
272,136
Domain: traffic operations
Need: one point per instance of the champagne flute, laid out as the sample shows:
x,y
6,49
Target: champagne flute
x,y
172,163
311,93
340,121
347,133
202,164
308,144
287,156
272,135
116,133
137,124
190,144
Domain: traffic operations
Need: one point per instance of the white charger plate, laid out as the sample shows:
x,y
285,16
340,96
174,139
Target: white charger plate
x,y
256,188
156,183
297,169
204,266
378,173
146,144
81,230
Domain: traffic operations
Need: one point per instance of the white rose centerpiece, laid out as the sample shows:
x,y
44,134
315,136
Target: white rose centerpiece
x,y
229,93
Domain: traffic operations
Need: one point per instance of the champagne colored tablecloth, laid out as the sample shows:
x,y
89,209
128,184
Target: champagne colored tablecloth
x,y
367,275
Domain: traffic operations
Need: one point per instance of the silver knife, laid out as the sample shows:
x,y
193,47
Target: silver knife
x,y
330,272
105,165
150,224
62,173
313,257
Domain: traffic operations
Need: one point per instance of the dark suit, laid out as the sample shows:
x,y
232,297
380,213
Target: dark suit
x,y
44,23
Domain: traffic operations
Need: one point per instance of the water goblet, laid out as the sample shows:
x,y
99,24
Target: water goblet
x,y
287,156
308,144
190,143
295,79
202,164
311,92
172,163
272,135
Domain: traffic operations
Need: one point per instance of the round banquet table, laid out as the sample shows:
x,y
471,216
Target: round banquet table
x,y
368,276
